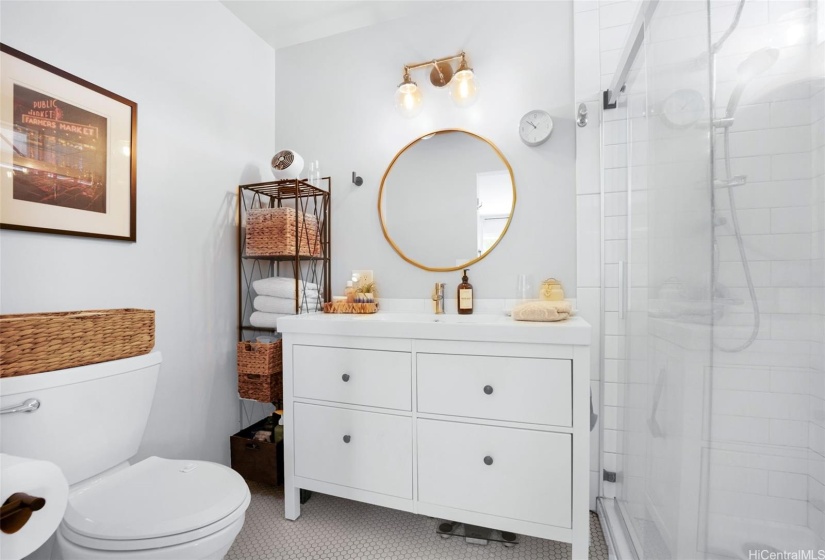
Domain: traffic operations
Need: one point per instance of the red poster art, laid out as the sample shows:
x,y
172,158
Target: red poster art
x,y
59,152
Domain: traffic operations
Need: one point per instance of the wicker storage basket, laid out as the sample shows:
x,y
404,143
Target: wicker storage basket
x,y
38,342
271,232
260,369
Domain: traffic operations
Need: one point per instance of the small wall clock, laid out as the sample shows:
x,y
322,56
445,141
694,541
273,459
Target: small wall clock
x,y
535,127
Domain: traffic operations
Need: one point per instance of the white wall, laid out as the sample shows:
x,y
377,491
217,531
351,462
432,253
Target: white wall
x,y
205,89
335,104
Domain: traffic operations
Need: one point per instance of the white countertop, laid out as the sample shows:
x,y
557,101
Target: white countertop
x,y
480,327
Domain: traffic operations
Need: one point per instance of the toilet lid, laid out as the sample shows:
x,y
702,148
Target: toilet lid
x,y
156,498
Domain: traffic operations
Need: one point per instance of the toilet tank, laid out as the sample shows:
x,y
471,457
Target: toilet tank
x,y
91,418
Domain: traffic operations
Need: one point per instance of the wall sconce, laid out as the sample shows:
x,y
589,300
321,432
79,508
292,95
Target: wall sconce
x,y
462,82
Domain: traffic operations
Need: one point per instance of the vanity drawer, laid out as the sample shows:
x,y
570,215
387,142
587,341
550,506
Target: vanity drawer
x,y
529,475
530,390
364,450
348,375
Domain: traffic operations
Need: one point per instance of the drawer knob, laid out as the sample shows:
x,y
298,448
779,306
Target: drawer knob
x,y
488,460
488,390
347,439
345,377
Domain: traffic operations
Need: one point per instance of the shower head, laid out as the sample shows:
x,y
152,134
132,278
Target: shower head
x,y
757,63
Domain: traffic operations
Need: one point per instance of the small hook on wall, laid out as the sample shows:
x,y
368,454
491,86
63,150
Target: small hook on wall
x,y
356,180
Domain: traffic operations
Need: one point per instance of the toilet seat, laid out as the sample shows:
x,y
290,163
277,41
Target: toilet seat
x,y
155,503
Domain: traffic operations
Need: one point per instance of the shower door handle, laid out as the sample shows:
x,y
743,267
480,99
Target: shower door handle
x,y
581,115
622,288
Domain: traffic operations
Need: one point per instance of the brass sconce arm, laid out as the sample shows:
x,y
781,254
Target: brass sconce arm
x,y
442,71
434,62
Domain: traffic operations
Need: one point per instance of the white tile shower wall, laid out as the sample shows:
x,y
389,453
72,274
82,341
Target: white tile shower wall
x,y
334,103
815,495
205,87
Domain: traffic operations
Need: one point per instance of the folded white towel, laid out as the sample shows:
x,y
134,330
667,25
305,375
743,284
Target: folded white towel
x,y
266,320
283,287
271,304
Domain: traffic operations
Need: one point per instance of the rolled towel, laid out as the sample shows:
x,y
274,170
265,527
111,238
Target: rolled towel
x,y
266,320
283,287
271,304
543,311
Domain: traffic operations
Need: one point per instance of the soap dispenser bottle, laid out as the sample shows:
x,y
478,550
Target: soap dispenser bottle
x,y
349,292
465,296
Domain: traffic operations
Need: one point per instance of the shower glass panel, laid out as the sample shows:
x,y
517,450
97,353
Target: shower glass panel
x,y
714,279
765,450
664,290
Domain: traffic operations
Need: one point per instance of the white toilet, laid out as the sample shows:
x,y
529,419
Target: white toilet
x,y
90,422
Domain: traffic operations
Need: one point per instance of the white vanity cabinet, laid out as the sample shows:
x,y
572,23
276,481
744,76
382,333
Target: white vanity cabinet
x,y
480,420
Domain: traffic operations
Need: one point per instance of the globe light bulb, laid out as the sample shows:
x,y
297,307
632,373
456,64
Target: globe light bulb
x,y
464,86
408,99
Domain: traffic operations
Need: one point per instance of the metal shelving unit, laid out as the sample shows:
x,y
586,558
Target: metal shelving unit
x,y
305,198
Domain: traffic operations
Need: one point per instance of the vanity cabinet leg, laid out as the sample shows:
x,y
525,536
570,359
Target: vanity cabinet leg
x,y
292,503
581,544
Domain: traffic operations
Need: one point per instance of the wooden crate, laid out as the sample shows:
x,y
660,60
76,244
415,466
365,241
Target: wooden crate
x,y
258,461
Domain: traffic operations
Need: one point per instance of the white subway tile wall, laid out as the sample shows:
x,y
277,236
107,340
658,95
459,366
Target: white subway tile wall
x,y
785,113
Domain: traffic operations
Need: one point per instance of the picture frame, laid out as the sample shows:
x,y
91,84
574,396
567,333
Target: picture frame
x,y
68,153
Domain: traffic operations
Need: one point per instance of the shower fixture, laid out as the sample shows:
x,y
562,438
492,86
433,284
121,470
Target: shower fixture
x,y
714,48
755,64
735,181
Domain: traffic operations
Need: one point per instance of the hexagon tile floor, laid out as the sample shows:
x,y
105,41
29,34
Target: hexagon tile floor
x,y
337,529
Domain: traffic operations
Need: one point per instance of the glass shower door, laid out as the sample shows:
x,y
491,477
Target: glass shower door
x,y
714,281
663,302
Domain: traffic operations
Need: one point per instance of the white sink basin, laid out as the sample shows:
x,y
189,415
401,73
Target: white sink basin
x,y
478,327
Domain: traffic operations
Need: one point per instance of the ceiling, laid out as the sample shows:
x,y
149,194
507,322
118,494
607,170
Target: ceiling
x,y
282,23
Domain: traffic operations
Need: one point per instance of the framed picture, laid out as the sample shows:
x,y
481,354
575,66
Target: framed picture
x,y
67,152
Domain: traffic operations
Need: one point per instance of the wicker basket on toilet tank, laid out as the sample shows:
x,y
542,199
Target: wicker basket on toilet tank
x,y
38,342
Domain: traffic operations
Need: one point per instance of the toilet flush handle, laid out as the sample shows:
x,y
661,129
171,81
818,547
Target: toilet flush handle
x,y
29,405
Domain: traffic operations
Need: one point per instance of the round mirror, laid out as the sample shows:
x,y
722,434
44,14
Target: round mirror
x,y
446,200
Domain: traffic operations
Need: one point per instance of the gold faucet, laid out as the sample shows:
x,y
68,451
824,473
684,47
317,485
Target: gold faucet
x,y
438,298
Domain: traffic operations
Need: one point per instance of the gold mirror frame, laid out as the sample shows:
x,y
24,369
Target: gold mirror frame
x,y
481,256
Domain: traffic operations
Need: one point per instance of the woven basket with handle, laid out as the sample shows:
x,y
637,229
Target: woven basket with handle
x,y
38,342
260,368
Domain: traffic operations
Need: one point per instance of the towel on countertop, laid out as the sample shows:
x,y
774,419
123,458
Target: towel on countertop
x,y
543,311
271,304
266,320
283,288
